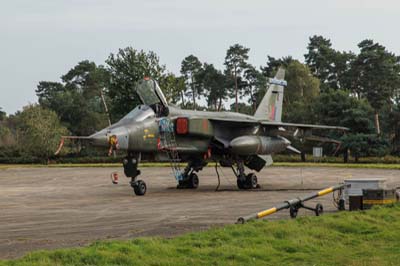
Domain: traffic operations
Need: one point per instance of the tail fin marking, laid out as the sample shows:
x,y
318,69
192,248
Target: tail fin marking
x,y
270,107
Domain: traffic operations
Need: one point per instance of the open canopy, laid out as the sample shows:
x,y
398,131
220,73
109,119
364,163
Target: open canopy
x,y
150,93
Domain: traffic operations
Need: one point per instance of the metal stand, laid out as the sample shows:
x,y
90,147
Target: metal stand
x,y
293,210
295,204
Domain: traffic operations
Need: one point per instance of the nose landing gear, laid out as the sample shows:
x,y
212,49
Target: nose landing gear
x,y
130,164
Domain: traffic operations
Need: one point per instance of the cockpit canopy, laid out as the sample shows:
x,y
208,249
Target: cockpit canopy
x,y
150,94
140,113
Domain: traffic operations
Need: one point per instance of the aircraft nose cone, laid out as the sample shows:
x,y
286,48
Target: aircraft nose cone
x,y
100,139
118,136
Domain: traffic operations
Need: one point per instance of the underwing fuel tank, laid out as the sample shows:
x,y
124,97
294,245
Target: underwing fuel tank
x,y
250,145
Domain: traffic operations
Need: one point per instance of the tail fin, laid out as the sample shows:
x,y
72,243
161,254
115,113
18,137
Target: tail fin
x,y
270,107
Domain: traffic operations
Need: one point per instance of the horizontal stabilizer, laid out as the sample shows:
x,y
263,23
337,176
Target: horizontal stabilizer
x,y
293,149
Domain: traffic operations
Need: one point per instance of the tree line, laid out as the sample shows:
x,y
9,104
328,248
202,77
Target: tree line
x,y
359,90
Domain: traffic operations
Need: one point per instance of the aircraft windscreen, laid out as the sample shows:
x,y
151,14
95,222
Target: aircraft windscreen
x,y
146,91
140,113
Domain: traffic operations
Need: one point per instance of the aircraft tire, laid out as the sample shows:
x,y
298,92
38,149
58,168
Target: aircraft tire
x,y
241,183
193,181
251,181
140,188
182,184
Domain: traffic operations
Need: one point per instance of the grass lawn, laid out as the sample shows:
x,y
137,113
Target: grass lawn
x,y
346,238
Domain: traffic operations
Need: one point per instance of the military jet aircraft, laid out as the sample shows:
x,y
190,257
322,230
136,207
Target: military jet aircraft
x,y
231,139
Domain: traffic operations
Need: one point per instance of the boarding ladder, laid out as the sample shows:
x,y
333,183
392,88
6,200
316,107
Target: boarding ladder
x,y
167,143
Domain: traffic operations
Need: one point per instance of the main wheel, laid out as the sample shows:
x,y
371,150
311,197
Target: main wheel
x,y
319,209
182,184
241,183
193,181
140,188
251,181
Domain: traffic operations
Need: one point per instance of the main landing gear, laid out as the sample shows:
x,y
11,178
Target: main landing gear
x,y
190,178
192,181
244,181
130,164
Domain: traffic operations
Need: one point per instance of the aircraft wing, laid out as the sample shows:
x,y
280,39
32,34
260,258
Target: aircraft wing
x,y
237,121
246,122
301,126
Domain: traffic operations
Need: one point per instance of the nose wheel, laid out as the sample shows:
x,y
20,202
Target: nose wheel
x,y
139,187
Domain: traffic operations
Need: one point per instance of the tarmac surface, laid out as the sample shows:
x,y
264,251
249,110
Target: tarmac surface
x,y
48,208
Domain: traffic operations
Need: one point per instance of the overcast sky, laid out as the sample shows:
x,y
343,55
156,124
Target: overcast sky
x,y
43,39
